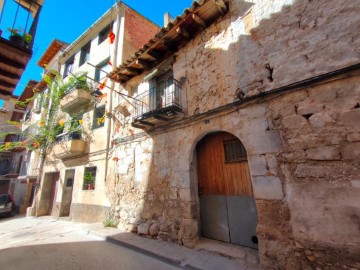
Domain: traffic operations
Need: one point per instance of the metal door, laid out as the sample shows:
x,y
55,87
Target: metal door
x,y
227,207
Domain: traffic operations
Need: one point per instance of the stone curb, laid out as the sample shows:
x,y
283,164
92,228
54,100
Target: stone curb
x,y
136,248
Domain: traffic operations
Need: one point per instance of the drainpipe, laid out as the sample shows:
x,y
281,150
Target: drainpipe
x,y
114,63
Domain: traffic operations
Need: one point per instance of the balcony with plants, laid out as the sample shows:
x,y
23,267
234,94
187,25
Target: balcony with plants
x,y
71,142
18,23
77,96
159,105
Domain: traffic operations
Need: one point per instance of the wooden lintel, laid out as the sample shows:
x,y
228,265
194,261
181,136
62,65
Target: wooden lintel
x,y
221,6
182,32
199,21
162,118
169,45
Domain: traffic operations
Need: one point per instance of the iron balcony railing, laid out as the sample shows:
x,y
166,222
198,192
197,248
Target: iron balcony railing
x,y
158,98
18,21
64,137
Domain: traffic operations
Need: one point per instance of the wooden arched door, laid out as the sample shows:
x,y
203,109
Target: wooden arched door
x,y
227,206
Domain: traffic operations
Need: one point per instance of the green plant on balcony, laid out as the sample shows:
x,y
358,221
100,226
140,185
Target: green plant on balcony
x,y
89,180
78,81
19,36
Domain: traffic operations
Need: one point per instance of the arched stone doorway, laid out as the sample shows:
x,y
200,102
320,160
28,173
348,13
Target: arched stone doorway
x,y
227,205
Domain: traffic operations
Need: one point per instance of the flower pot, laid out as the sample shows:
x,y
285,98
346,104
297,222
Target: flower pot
x,y
18,40
90,186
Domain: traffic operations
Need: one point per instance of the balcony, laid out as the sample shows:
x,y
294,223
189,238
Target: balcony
x,y
12,138
158,105
69,145
16,48
75,100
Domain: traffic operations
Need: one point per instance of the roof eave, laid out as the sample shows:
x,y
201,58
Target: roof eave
x,y
171,38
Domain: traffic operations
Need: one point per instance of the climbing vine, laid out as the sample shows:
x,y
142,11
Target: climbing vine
x,y
42,135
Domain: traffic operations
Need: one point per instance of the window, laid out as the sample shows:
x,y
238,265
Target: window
x,y
102,70
98,118
89,178
69,65
84,54
162,91
103,35
234,151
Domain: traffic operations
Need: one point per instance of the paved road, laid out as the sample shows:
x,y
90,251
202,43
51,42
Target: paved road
x,y
35,243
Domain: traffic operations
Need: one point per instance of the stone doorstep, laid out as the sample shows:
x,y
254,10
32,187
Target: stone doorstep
x,y
208,254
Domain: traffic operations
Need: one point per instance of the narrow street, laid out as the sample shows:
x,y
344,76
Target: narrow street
x,y
42,243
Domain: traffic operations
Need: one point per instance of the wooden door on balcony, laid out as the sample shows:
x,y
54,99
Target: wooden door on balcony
x,y
227,207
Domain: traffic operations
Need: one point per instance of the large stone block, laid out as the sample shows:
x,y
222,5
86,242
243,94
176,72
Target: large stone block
x,y
323,153
307,107
265,142
351,151
267,188
320,119
257,165
351,120
308,170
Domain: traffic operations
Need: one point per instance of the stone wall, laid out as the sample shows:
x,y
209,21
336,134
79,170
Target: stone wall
x,y
302,146
263,45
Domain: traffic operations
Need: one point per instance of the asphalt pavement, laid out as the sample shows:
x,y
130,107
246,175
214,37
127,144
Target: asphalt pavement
x,y
47,243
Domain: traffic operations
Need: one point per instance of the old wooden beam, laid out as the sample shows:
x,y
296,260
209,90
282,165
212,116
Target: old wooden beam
x,y
9,74
221,6
144,63
169,45
12,63
155,54
122,77
182,32
7,84
199,21
133,71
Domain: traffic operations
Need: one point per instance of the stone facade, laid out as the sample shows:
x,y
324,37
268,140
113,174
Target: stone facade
x,y
302,140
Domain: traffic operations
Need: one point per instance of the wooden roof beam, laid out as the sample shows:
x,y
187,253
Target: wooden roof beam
x,y
7,84
199,21
121,77
157,55
144,63
133,71
221,6
183,33
9,74
169,45
12,63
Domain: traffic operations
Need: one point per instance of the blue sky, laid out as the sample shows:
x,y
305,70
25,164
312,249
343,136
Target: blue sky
x,y
67,19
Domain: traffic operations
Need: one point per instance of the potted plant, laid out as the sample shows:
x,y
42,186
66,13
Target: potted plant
x,y
21,39
89,180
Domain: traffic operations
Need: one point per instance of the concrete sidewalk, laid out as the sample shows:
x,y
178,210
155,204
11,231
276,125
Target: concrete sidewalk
x,y
206,255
